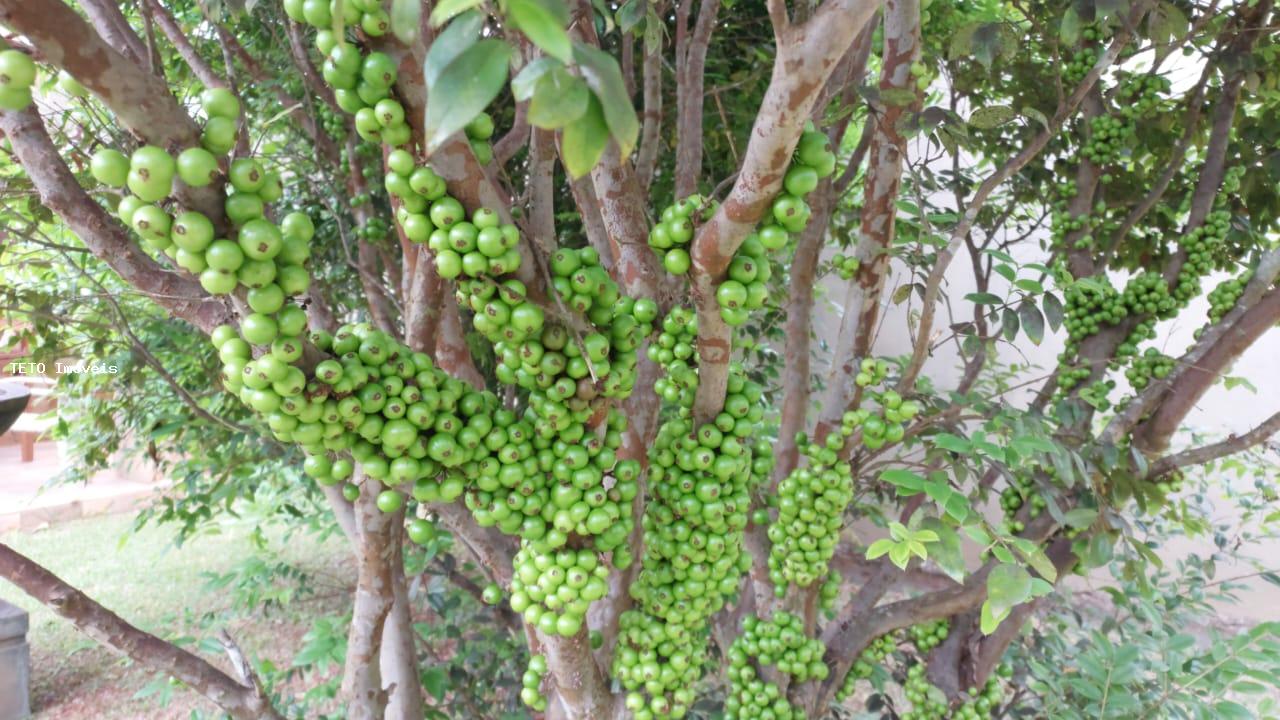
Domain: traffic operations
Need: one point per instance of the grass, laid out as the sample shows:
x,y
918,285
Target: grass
x,y
161,588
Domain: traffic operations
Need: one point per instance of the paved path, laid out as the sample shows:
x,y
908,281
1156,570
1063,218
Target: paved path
x,y
25,504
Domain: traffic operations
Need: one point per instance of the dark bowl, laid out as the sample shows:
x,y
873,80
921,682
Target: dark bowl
x,y
13,401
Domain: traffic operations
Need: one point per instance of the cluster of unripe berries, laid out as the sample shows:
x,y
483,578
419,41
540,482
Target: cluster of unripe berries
x,y
886,427
361,82
531,684
865,666
699,478
1084,58
1107,139
1022,486
829,592
1222,299
552,591
478,132
674,350
929,703
1205,251
929,635
673,233
811,502
745,289
17,75
781,642
1152,364
846,266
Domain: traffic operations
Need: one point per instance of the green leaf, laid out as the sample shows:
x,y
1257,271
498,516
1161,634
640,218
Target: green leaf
x,y
406,17
604,77
954,443
464,89
1036,115
879,548
991,116
1041,564
984,298
957,507
1053,311
436,681
1009,324
1080,518
990,619
900,555
1232,710
903,479
583,141
452,42
631,14
1032,322
543,22
446,9
1007,586
1069,31
946,552
523,84
1031,286
558,99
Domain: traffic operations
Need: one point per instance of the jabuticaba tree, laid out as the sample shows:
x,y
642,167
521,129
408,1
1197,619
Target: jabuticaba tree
x,y
567,313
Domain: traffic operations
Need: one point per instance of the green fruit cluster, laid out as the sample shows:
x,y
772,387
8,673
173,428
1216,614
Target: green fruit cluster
x,y
811,502
929,635
865,666
1152,364
218,136
929,703
746,287
1222,299
553,590
846,266
478,132
673,233
781,642
361,82
699,478
1108,138
531,684
829,592
1082,60
886,426
674,350
17,75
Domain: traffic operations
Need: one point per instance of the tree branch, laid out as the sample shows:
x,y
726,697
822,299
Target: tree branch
x,y
239,700
690,81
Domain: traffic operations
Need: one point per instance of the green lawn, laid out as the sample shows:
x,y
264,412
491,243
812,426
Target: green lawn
x,y
154,584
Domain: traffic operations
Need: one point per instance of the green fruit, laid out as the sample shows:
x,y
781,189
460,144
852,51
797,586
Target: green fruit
x,y
271,189
731,294
492,594
127,207
293,279
197,167
293,8
246,175
292,320
151,171
110,167
267,299
400,162
480,127
376,23
260,239
801,180
153,225
813,148
218,282
220,102
191,231
379,70
219,135
243,207
259,329
224,255
256,273
17,70
421,532
390,501
445,212
348,99
448,264
676,261
298,225
316,13
15,98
